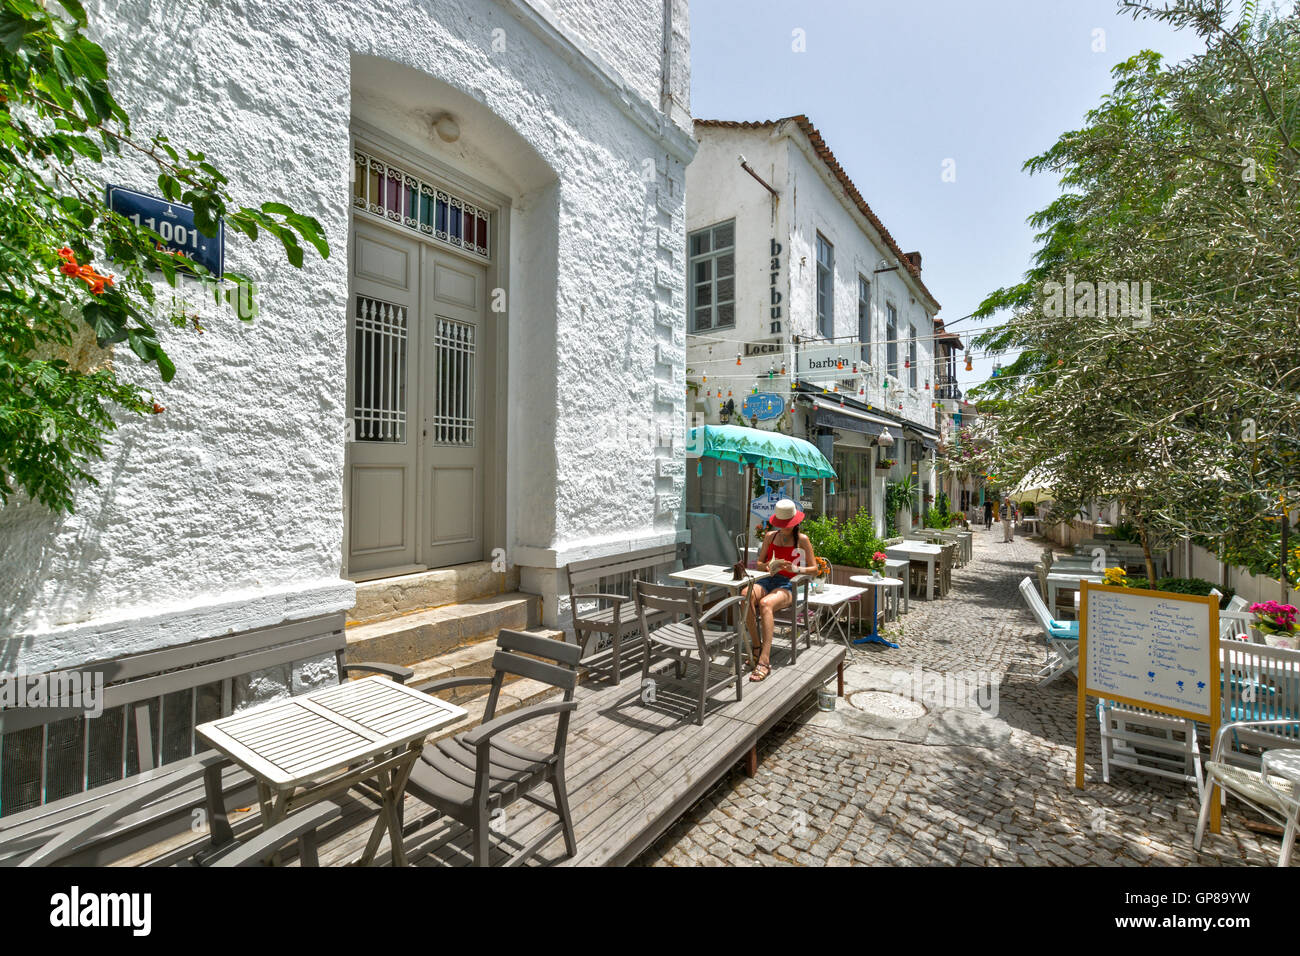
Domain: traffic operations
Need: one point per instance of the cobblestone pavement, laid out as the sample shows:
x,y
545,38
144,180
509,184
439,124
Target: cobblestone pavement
x,y
826,797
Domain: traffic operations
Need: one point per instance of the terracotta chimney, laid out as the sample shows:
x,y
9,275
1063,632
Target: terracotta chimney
x,y
914,258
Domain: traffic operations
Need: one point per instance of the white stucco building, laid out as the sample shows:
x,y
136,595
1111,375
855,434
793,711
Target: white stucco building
x,y
801,302
486,364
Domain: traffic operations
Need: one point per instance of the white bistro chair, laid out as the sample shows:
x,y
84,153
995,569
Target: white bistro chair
x,y
1261,713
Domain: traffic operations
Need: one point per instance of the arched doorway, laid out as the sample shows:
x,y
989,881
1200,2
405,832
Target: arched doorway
x,y
427,331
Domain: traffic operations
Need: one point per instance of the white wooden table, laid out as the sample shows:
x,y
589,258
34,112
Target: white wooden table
x,y
1069,579
324,742
715,575
918,551
829,602
964,539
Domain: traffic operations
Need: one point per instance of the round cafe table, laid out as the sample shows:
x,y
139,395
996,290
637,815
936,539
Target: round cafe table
x,y
875,584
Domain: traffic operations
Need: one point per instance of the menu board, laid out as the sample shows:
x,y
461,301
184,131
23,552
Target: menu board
x,y
1151,649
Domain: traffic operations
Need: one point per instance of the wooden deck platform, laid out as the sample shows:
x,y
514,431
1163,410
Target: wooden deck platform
x,y
633,769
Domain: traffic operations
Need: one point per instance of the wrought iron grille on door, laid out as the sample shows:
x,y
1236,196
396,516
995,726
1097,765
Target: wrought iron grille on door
x,y
379,372
453,420
392,193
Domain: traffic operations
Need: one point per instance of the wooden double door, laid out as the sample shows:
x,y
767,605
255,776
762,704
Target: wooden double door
x,y
415,451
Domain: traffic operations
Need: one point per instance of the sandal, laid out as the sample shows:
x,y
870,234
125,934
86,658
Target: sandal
x,y
761,672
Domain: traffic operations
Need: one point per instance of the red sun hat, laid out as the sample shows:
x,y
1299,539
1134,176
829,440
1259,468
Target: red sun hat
x,y
786,515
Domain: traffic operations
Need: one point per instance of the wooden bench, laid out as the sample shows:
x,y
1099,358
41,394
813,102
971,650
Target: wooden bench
x,y
600,631
143,741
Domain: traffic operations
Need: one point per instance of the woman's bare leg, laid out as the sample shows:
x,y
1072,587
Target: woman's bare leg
x,y
770,603
756,594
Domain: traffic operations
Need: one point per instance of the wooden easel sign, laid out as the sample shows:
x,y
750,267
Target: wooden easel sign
x,y
1151,649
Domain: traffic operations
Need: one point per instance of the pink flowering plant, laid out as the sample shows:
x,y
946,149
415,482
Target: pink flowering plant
x,y
1274,618
878,561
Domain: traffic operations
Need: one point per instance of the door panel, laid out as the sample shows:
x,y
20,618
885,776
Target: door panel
x,y
382,464
455,284
375,525
452,405
414,461
387,260
454,505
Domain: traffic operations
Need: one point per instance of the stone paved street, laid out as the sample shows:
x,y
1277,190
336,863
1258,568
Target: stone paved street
x,y
976,791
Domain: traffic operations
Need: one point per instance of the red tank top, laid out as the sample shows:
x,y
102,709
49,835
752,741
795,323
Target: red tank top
x,y
785,553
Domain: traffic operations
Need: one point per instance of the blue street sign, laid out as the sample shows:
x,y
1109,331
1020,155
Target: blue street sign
x,y
175,224
764,506
763,406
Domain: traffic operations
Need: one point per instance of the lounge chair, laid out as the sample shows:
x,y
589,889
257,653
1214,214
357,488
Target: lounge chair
x,y
1062,637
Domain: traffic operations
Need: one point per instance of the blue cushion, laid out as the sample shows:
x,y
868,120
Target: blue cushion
x,y
1064,630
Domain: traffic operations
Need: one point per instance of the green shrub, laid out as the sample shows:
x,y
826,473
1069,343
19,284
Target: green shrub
x,y
1197,586
827,537
934,518
849,543
860,541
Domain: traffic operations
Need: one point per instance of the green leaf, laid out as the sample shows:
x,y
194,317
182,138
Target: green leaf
x,y
14,30
166,368
75,8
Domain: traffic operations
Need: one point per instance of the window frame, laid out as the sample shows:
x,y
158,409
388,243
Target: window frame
x,y
912,356
891,339
864,317
715,252
825,299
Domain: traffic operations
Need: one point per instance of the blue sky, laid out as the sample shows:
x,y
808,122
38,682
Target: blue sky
x,y
898,88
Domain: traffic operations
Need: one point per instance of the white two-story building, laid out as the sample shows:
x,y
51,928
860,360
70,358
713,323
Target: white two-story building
x,y
805,316
477,387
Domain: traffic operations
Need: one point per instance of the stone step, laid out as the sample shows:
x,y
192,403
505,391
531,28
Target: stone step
x,y
386,598
431,633
470,660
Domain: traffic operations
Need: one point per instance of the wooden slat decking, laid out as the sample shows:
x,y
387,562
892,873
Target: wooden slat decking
x,y
633,768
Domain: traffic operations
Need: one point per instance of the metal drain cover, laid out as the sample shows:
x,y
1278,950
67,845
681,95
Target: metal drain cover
x,y
882,703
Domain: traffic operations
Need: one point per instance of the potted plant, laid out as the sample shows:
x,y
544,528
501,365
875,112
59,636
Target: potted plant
x,y
850,547
877,563
899,499
1274,624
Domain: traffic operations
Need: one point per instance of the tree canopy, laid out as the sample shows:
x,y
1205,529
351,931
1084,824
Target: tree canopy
x,y
1159,325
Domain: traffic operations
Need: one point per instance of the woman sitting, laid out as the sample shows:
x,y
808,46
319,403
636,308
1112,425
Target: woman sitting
x,y
785,553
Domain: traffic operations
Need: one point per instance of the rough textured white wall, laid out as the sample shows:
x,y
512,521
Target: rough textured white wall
x,y
626,34
629,36
225,512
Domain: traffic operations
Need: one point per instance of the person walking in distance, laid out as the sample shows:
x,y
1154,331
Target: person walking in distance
x,y
988,513
1007,534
